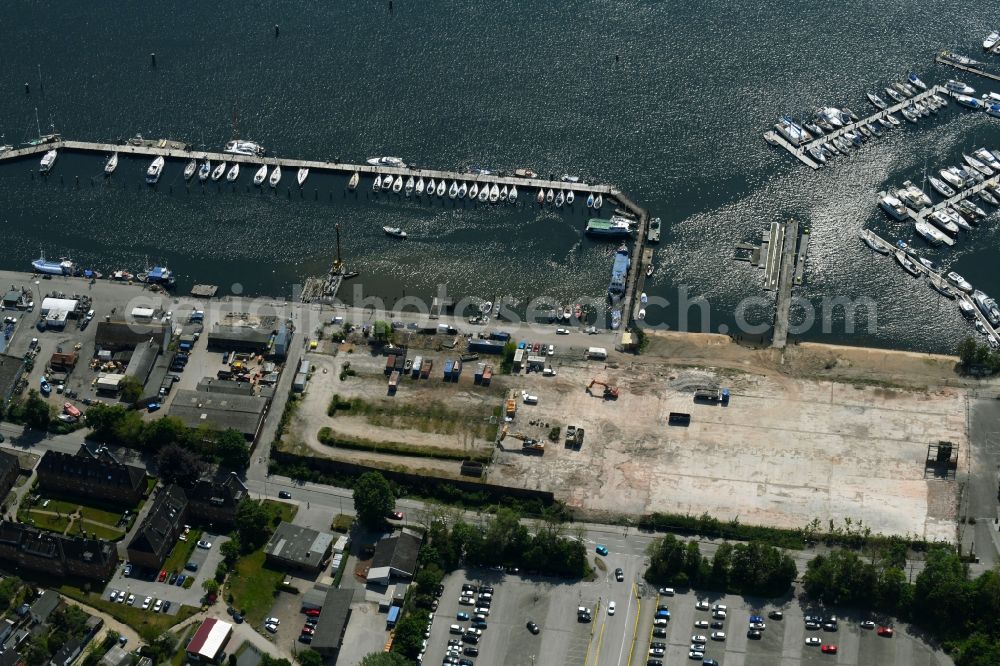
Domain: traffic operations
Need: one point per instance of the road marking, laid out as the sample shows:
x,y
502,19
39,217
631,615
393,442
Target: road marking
x,y
635,630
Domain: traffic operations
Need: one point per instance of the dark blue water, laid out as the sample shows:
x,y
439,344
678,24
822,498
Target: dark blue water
x,y
666,101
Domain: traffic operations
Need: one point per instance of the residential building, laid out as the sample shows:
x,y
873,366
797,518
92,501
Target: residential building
x,y
296,547
395,558
158,532
98,476
215,500
44,606
11,369
55,554
209,642
9,469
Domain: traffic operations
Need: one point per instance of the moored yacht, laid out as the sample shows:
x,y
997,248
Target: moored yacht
x,y
387,161
987,157
112,164
154,170
453,190
395,232
991,40
233,173
958,87
876,101
969,102
397,185
932,234
410,184
953,176
275,177
440,188
943,221
941,187
205,171
959,282
219,171
512,195
894,95
258,178
387,182
977,165
241,147
474,191
915,81
904,260
189,170
48,159
494,193
301,176
419,189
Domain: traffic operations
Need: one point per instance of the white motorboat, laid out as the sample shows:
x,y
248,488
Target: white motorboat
x,y
503,193
909,113
242,147
991,40
431,187
959,59
943,221
512,195
494,193
301,176
441,188
867,237
112,164
560,199
205,171
893,120
598,202
48,160
395,232
876,101
387,161
988,197
977,165
941,187
993,110
275,176
453,190
474,191
258,178
387,181
353,182
987,157
397,185
233,173
892,205
968,309
377,183
954,86
915,195
904,260
566,178
959,282
219,171
915,81
641,314
410,184
969,102
155,170
952,176
957,218
894,95
541,196
189,170
570,197
419,189
550,196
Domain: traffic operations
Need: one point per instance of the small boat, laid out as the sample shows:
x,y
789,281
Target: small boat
x,y
959,282
915,196
616,319
643,298
453,190
598,202
969,102
463,190
395,232
989,198
233,173
957,218
275,176
814,129
850,114
649,270
590,200
112,164
219,171
243,147
410,184
431,187
954,86
570,197
419,189
902,90
953,176
205,171
865,132
894,95
905,262
503,193
977,165
910,90
970,209
876,101
512,195
377,184
893,120
155,170
353,182
915,81
873,128
866,236
474,191
566,178
525,173
387,161
909,113
993,110
397,185
941,187
550,196
991,40
484,193
440,188
541,196
258,178
942,288
987,158
578,311
943,221
641,314
959,59
387,181
301,176
480,171
968,309
816,154
48,160
189,170
892,205
494,193
560,199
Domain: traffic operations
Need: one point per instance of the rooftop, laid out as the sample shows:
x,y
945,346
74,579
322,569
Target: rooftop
x,y
209,639
299,545
103,469
156,532
239,412
398,552
333,619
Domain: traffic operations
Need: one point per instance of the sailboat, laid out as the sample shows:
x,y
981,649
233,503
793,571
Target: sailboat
x,y
189,170
550,196
275,176
484,193
219,171
598,202
410,184
205,171
494,193
419,189
112,164
512,195
474,191
258,178
463,190
560,199
570,198
590,200
353,182
503,193
377,184
301,176
431,187
234,173
441,188
541,196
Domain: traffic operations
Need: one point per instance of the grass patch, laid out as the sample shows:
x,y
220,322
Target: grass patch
x,y
95,515
181,552
327,437
341,523
149,625
100,530
600,564
57,506
432,416
180,657
150,484
47,521
253,586
285,510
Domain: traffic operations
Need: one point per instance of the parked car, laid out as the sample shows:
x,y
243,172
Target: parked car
x,y
666,591
158,606
619,574
271,627
776,615
702,605
754,634
128,569
191,566
611,608
829,649
813,640
180,579
172,579
313,612
166,606
162,576
463,616
884,631
146,602
701,624
284,494
204,544
396,515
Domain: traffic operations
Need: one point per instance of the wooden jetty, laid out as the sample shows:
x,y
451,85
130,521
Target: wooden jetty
x,y
637,267
790,235
967,68
934,276
800,152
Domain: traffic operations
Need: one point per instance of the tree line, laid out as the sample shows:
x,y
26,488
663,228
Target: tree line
x,y
971,355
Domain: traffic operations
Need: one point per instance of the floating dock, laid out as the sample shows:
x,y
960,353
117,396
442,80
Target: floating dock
x,y
917,215
800,152
935,277
967,68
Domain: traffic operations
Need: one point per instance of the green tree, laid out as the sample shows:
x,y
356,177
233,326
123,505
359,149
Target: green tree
x,y
268,660
176,464
230,552
231,449
163,431
10,590
131,390
36,411
385,659
309,658
410,634
666,560
940,593
967,351
210,586
373,499
253,525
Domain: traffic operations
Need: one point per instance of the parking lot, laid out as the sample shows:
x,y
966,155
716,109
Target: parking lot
x,y
144,584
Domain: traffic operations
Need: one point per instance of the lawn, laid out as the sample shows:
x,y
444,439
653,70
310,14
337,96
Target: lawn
x,y
253,586
285,510
49,522
93,514
56,506
101,530
180,658
148,624
181,552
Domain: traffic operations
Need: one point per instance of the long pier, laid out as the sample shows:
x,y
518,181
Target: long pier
x,y
967,68
917,215
172,150
637,267
934,276
786,275
800,151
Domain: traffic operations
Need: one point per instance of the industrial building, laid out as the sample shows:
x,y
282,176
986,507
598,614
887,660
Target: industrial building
x,y
395,558
239,339
243,413
295,547
209,642
333,621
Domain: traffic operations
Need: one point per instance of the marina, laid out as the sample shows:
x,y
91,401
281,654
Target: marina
x,y
922,214
802,151
966,68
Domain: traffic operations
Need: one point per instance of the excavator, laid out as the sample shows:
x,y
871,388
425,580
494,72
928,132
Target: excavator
x,y
610,392
529,445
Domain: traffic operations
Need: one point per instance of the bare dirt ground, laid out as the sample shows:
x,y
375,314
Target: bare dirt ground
x,y
815,432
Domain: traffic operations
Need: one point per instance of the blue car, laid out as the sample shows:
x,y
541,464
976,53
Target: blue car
x,y
462,616
521,345
601,549
180,580
153,406
756,618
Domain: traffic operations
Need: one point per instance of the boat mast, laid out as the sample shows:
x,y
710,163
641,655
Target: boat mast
x,y
38,125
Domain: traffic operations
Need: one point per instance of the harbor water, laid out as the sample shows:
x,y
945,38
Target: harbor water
x,y
666,101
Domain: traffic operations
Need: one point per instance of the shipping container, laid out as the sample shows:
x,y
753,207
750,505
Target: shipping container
x,y
480,369
400,361
486,346
393,381
456,370
425,370
447,368
488,375
390,363
417,362
597,352
500,335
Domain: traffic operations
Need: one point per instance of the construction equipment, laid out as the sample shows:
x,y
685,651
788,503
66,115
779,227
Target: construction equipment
x,y
610,392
